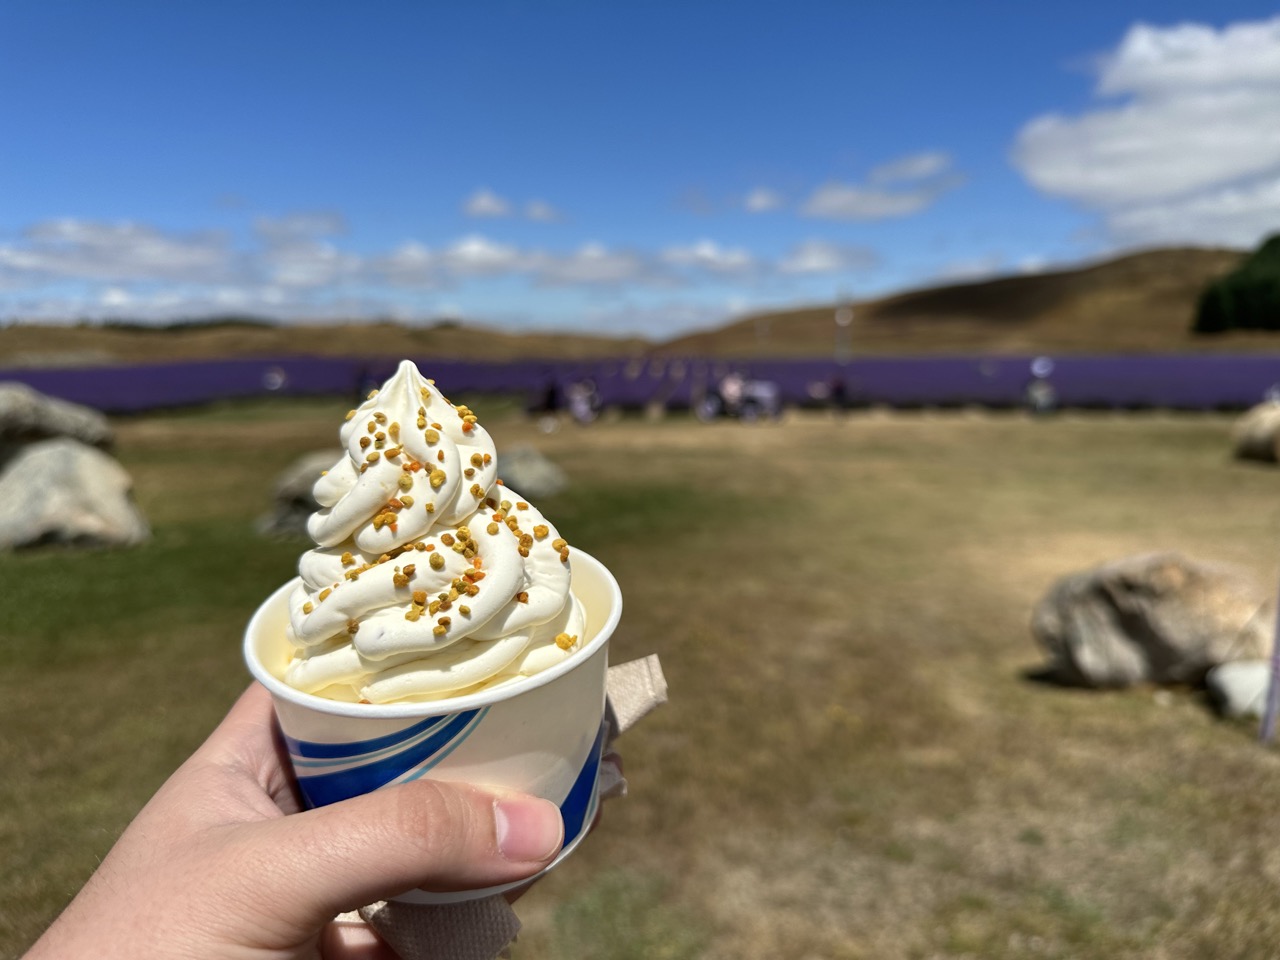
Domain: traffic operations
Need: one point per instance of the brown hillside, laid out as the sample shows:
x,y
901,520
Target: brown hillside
x,y
1140,303
26,345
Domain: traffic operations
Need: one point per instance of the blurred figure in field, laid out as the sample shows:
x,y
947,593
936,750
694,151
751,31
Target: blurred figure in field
x,y
584,401
547,406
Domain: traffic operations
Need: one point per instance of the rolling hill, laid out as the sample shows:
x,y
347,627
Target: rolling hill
x,y
1139,303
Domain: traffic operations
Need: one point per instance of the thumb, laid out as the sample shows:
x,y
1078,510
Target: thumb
x,y
430,834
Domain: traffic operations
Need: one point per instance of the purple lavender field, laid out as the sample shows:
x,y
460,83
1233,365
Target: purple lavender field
x,y
1169,382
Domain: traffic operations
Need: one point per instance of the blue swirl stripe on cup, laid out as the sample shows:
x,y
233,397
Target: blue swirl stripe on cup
x,y
329,772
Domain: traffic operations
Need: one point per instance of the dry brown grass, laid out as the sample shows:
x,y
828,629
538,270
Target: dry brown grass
x,y
853,763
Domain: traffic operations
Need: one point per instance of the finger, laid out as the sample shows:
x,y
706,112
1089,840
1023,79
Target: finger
x,y
438,836
249,721
248,740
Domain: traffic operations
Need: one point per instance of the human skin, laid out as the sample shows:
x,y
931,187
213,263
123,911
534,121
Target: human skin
x,y
223,863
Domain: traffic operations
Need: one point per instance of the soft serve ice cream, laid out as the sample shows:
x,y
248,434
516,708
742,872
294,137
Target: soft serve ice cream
x,y
430,578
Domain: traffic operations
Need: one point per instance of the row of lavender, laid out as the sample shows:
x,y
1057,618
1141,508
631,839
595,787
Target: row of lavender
x,y
1179,382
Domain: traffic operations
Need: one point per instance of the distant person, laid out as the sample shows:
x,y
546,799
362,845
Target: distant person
x,y
548,407
838,394
584,401
1041,397
732,388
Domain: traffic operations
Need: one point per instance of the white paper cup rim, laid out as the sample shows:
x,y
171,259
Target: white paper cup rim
x,y
420,708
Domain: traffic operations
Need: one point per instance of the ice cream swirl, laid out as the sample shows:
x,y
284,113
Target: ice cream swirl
x,y
430,578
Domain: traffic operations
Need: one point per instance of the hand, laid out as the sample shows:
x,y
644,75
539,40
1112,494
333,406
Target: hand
x,y
222,863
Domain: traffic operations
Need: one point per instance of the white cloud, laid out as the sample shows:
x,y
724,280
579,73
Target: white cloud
x,y
485,203
115,252
295,227
916,166
709,255
899,188
476,255
541,211
1189,153
819,256
309,264
590,265
115,297
411,264
1237,214
842,201
762,200
296,253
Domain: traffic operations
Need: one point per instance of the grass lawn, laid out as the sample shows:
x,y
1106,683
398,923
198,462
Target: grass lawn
x,y
852,765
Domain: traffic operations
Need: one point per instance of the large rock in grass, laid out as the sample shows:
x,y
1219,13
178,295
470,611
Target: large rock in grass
x,y
1157,617
27,415
1256,435
530,473
64,491
294,501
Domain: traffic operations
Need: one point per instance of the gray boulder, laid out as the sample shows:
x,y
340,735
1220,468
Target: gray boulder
x,y
1156,617
530,473
1239,688
63,491
27,415
1256,433
294,502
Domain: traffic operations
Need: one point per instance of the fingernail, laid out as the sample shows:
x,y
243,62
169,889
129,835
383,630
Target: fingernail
x,y
528,829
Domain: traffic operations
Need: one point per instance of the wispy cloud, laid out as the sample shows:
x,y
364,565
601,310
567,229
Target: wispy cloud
x,y
915,166
763,200
485,203
542,212
822,257
709,255
1186,152
297,265
117,252
899,188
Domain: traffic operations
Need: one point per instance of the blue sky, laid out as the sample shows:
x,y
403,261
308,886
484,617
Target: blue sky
x,y
628,168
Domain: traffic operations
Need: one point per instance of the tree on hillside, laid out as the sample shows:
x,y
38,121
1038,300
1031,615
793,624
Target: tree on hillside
x,y
1248,298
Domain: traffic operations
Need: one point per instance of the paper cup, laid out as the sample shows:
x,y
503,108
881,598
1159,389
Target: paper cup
x,y
542,736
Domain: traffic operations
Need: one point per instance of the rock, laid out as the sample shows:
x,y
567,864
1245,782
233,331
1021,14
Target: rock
x,y
530,473
27,415
1256,433
1156,617
293,499
63,491
1239,688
